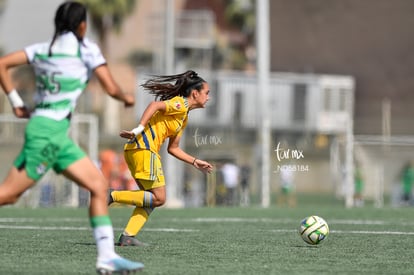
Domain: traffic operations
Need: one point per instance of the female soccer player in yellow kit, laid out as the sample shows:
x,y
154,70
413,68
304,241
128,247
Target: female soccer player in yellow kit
x,y
162,119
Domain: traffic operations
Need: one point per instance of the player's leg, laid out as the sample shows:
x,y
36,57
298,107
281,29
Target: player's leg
x,y
142,164
85,173
14,186
145,167
30,165
138,198
140,214
144,198
135,223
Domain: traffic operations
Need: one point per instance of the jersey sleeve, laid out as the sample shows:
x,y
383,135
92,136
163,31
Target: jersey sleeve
x,y
92,55
31,51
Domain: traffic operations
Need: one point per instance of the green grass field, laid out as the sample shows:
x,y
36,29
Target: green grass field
x,y
215,241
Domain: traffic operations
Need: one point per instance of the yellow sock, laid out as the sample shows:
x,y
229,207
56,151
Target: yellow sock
x,y
138,198
137,220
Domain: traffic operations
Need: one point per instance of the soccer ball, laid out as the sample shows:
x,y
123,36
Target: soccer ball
x,y
313,230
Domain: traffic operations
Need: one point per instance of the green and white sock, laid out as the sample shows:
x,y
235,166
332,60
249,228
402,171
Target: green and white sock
x,y
104,237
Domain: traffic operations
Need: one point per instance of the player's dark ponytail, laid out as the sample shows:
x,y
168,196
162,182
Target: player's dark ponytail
x,y
68,17
163,88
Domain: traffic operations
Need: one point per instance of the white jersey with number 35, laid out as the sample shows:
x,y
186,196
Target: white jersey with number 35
x,y
62,76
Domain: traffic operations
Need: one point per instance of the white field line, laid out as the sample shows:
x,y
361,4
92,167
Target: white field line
x,y
369,232
5,224
216,220
372,232
287,221
81,228
23,220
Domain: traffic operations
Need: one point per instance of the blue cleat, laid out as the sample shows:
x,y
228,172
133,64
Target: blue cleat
x,y
118,266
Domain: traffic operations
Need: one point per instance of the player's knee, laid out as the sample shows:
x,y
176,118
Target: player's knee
x,y
158,201
98,191
8,199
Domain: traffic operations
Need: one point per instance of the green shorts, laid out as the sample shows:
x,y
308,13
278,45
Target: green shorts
x,y
47,145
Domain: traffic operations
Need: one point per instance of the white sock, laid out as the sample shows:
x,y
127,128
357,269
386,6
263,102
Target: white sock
x,y
104,237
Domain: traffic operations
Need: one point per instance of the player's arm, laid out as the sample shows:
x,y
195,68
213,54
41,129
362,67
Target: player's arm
x,y
175,150
152,108
6,62
111,87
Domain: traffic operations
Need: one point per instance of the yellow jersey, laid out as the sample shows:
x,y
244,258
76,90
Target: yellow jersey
x,y
161,126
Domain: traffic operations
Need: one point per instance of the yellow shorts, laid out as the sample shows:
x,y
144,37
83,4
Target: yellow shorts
x,y
145,167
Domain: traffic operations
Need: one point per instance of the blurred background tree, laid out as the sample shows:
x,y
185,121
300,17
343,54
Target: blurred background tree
x,y
240,16
108,15
234,45
2,5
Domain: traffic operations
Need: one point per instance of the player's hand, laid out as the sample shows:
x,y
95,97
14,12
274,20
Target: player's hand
x,y
203,166
129,100
21,112
127,134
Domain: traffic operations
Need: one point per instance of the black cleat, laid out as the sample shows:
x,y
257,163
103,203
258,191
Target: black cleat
x,y
110,199
129,241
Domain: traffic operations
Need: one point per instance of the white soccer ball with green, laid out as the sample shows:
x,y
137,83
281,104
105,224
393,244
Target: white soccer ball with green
x,y
313,230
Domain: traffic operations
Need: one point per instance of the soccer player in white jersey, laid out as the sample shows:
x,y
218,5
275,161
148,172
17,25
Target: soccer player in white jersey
x,y
62,69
